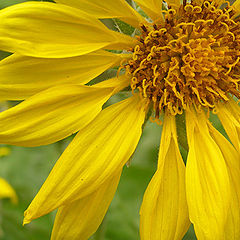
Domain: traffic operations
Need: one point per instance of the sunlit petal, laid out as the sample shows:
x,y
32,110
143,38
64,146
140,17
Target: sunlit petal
x,y
81,218
107,9
207,180
164,212
6,191
95,154
22,76
153,8
50,30
52,115
174,3
236,7
229,114
232,158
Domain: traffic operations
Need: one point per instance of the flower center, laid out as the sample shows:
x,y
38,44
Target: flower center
x,y
191,58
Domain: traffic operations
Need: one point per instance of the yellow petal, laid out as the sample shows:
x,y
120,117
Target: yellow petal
x,y
4,151
107,9
236,7
50,30
164,212
207,180
22,76
229,115
95,154
174,3
118,83
6,191
52,115
232,158
153,8
81,218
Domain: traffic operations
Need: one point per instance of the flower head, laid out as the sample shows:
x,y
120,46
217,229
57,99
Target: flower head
x,y
182,61
188,59
6,190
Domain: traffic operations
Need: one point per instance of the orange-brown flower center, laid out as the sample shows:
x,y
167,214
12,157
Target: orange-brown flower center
x,y
192,58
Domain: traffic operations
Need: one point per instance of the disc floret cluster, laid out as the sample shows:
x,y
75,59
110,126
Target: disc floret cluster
x,y
190,58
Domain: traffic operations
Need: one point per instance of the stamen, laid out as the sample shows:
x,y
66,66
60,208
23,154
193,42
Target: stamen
x,y
193,58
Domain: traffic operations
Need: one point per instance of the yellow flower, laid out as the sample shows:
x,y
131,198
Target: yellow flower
x,y
4,151
183,60
6,191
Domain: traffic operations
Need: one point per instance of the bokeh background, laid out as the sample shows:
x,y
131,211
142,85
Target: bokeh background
x,y
27,168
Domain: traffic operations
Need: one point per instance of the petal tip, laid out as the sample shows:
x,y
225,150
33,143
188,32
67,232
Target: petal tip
x,y
27,218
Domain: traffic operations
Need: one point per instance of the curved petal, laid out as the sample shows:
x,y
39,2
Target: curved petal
x,y
107,9
23,76
118,83
95,154
207,180
42,29
164,212
232,158
153,8
6,191
81,218
229,115
52,115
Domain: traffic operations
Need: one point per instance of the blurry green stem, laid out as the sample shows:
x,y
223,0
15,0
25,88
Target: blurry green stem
x,y
130,2
1,231
181,131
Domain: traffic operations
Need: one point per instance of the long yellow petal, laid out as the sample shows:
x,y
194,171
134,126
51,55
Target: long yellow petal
x,y
164,212
81,218
95,154
6,191
153,8
207,180
107,9
22,76
229,115
42,29
232,158
52,115
118,83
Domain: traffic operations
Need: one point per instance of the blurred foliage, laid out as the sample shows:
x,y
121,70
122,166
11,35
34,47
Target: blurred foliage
x,y
25,169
